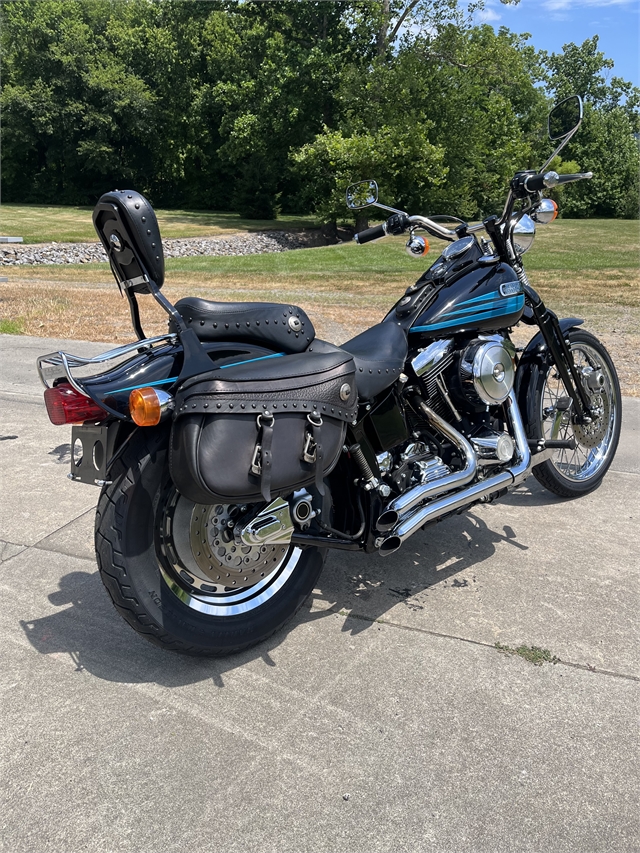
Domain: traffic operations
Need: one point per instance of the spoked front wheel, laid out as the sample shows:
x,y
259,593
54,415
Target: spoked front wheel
x,y
174,569
577,471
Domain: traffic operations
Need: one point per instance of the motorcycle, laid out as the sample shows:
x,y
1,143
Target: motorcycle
x,y
235,450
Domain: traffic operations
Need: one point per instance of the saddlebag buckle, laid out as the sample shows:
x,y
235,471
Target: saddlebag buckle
x,y
256,465
309,449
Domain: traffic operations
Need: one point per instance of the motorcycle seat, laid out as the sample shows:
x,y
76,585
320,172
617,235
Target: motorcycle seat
x,y
285,328
379,355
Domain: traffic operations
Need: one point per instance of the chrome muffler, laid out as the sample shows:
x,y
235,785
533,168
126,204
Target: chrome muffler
x,y
406,501
413,521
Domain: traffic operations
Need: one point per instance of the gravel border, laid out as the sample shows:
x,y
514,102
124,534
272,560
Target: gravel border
x,y
254,243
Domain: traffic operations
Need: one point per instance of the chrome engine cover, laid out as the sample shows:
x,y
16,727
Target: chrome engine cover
x,y
487,370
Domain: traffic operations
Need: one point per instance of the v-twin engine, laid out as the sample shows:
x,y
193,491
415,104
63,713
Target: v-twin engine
x,y
479,375
431,500
455,382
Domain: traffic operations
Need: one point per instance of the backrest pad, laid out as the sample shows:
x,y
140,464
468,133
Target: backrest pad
x,y
128,229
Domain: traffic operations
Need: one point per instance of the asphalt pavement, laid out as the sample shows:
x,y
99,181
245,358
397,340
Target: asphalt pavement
x,y
383,718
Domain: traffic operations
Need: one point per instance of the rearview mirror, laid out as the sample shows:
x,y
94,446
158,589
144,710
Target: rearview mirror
x,y
565,117
362,194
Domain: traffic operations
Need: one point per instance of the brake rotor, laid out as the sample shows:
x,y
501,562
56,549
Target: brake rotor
x,y
590,435
212,558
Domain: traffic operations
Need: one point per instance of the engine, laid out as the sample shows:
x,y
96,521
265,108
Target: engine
x,y
416,464
462,384
486,371
481,374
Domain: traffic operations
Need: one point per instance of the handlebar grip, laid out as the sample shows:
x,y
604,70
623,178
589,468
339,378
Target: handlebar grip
x,y
580,176
370,234
535,183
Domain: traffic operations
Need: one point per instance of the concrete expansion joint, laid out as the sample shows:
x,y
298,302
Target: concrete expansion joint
x,y
38,547
389,624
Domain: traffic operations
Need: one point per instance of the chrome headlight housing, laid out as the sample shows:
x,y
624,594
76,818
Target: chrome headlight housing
x,y
523,233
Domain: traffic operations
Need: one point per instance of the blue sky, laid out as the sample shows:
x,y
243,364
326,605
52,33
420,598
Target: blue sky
x,y
553,23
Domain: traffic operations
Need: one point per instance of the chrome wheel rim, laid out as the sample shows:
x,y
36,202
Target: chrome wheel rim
x,y
594,442
212,575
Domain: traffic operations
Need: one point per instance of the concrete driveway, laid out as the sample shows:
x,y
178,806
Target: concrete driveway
x,y
382,719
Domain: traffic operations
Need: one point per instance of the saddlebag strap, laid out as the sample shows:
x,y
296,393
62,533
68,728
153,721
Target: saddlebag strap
x,y
263,450
317,437
312,452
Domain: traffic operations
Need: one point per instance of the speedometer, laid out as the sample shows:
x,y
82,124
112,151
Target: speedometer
x,y
454,250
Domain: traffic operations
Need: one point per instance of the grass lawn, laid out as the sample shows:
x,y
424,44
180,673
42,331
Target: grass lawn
x,y
42,224
582,268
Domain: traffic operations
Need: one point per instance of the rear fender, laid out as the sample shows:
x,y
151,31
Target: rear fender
x,y
138,366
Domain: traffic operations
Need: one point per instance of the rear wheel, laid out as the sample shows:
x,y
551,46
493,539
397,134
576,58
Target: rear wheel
x,y
174,570
574,472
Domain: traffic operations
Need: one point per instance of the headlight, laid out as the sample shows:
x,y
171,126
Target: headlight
x,y
523,233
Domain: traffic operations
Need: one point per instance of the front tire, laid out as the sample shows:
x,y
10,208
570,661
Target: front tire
x,y
571,473
160,589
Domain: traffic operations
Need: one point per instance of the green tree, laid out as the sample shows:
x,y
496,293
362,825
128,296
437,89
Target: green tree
x,y
272,70
403,160
93,97
442,124
607,142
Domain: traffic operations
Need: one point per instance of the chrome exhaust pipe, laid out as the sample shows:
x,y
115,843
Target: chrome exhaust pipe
x,y
402,504
450,503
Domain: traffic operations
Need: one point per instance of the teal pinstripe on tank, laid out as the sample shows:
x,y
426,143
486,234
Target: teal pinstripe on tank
x,y
475,310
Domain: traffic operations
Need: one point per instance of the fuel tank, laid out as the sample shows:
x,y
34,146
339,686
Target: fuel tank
x,y
469,292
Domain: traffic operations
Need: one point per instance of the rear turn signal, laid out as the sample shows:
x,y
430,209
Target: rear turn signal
x,y
65,405
147,406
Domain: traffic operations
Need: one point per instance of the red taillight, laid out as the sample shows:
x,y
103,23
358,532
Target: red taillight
x,y
65,405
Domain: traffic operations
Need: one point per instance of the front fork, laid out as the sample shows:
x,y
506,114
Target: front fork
x,y
559,350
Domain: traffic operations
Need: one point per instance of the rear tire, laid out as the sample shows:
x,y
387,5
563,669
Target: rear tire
x,y
148,583
571,473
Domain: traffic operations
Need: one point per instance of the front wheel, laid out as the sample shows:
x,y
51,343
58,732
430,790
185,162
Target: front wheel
x,y
570,473
174,572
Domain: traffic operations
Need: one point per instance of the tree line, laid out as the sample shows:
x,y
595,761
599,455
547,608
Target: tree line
x,y
262,107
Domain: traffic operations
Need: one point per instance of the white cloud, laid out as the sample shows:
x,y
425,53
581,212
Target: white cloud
x,y
567,5
487,15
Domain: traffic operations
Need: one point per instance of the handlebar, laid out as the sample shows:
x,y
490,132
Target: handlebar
x,y
371,234
535,183
434,228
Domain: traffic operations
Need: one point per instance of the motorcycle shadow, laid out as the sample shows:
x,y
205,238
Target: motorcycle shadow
x,y
88,633
435,562
531,493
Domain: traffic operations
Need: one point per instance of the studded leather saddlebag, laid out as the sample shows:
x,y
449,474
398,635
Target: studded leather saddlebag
x,y
265,428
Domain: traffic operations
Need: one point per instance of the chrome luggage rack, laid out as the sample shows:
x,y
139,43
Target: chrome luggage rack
x,y
58,365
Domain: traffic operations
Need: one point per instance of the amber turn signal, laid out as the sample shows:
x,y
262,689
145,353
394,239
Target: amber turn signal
x,y
145,407
416,246
546,211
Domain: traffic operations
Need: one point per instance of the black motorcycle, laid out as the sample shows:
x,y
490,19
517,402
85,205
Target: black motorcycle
x,y
235,450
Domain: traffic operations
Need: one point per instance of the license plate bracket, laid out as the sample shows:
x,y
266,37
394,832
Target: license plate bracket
x,y
91,451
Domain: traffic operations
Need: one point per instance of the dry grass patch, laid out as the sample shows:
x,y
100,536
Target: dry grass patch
x,y
83,302
608,286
